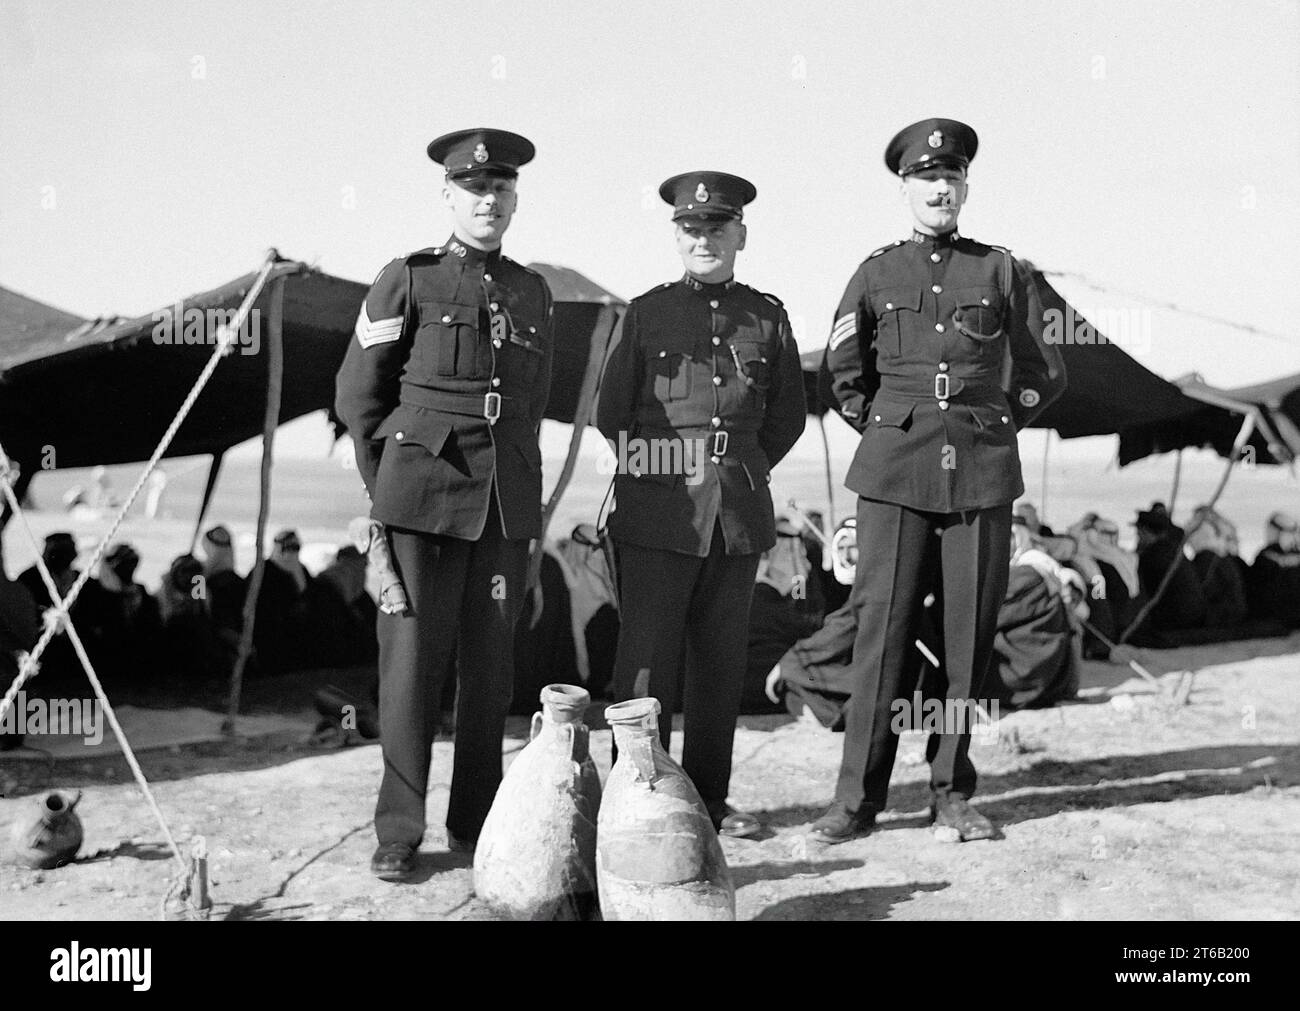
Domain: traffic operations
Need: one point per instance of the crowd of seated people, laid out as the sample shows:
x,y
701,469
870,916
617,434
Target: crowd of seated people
x,y
1036,648
190,629
1204,591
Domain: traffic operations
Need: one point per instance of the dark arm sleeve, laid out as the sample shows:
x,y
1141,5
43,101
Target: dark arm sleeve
x,y
1037,369
850,357
368,382
787,413
542,390
620,383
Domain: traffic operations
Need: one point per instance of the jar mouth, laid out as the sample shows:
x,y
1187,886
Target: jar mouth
x,y
633,712
565,698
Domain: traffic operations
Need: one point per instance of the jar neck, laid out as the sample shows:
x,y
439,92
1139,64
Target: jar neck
x,y
564,703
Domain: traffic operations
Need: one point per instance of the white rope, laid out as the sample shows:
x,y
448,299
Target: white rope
x,y
58,617
226,336
1171,306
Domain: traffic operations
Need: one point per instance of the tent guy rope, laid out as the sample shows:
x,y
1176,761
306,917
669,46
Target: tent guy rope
x,y
58,617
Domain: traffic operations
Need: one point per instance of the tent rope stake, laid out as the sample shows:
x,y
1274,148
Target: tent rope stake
x,y
58,617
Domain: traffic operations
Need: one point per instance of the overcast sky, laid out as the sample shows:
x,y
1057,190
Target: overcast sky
x,y
152,150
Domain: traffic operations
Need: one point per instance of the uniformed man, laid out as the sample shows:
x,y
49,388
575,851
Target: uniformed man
x,y
443,391
937,357
701,397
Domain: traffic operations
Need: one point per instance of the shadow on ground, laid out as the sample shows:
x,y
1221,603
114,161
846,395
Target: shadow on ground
x,y
1049,786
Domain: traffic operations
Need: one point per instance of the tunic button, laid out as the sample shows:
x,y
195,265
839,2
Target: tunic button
x,y
487,277
939,327
713,303
1005,419
984,301
496,343
877,417
400,436
889,305
716,459
447,318
943,405
663,354
943,366
717,380
493,306
935,257
717,341
532,329
496,380
936,288
715,422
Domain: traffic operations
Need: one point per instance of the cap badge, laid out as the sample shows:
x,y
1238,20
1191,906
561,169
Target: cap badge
x,y
1029,398
935,139
701,194
481,153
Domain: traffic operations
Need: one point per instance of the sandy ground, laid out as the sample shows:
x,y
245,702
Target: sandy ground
x,y
1121,806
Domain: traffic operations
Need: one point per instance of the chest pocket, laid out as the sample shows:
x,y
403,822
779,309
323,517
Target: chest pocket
x,y
896,311
753,367
521,350
668,364
448,338
979,313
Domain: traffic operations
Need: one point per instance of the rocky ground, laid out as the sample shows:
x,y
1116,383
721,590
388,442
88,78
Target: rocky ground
x,y
1124,805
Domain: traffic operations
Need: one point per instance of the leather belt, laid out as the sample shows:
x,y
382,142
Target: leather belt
x,y
941,386
490,406
721,446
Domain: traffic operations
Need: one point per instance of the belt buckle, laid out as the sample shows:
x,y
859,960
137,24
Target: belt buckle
x,y
720,440
941,385
492,407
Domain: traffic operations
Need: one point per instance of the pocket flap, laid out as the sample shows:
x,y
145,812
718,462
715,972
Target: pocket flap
x,y
410,424
893,299
983,296
442,314
979,312
889,414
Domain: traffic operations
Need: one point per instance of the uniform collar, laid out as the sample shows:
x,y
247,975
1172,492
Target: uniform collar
x,y
469,254
947,239
711,290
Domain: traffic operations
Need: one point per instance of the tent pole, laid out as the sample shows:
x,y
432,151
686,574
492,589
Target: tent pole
x,y
274,379
1178,474
20,486
214,469
1243,436
830,484
605,323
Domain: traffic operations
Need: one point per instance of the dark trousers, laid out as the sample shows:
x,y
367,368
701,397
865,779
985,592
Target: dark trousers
x,y
667,600
903,554
465,596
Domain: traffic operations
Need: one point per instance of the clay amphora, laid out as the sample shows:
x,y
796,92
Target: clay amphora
x,y
657,855
536,854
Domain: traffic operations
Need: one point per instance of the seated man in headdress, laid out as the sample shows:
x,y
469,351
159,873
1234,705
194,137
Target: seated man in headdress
x,y
1275,575
1182,604
130,621
1213,560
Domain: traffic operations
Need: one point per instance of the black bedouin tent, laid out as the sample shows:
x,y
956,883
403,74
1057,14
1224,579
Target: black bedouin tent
x,y
1273,407
76,392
